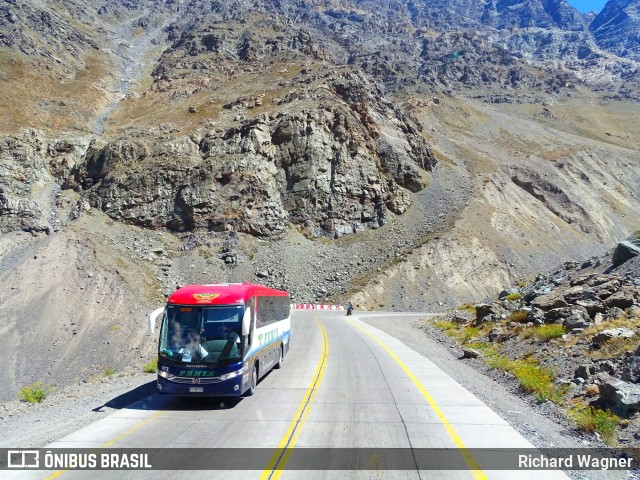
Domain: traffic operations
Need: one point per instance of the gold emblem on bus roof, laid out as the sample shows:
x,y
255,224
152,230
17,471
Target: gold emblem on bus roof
x,y
205,297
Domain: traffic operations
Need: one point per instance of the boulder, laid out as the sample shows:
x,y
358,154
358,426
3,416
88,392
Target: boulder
x,y
495,334
539,291
631,369
459,319
549,301
584,371
470,353
607,289
577,318
592,306
618,394
485,312
608,367
586,264
579,292
606,335
592,279
625,251
585,297
625,297
507,292
558,315
536,316
613,313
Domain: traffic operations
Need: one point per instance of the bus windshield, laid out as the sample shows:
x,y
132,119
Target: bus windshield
x,y
202,334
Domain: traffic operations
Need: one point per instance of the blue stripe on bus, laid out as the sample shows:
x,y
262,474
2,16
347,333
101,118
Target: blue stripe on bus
x,y
286,334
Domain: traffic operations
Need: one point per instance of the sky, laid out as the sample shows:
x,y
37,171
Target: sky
x,y
587,5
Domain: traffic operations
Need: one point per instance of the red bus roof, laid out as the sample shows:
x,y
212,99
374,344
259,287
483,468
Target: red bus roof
x,y
221,294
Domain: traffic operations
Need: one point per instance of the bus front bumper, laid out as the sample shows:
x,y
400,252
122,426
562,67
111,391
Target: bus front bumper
x,y
198,388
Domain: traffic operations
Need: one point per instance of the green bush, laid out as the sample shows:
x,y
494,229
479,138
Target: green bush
x,y
462,333
468,333
109,372
35,393
489,350
538,380
150,367
513,296
591,419
445,325
545,332
499,362
533,377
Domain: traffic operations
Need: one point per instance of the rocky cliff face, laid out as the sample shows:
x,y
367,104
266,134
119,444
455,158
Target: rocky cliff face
x,y
33,168
617,28
46,32
335,168
509,14
452,59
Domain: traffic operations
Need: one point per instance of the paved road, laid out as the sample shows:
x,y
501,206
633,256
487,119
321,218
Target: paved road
x,y
343,384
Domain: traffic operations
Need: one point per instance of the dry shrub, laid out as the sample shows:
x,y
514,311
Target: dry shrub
x,y
519,317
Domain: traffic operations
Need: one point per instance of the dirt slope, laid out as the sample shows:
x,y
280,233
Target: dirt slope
x,y
68,313
547,185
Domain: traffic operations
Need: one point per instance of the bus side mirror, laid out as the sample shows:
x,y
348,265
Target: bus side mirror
x,y
246,322
152,319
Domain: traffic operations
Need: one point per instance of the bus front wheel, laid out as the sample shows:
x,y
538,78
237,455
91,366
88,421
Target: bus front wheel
x,y
254,381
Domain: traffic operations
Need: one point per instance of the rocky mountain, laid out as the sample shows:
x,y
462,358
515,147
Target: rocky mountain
x,y
617,28
510,14
238,41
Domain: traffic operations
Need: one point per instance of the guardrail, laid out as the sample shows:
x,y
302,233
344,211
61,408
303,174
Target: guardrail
x,y
312,306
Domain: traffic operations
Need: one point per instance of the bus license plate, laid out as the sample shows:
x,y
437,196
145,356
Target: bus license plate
x,y
195,389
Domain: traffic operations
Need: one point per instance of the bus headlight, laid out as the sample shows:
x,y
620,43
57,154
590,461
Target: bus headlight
x,y
163,374
230,375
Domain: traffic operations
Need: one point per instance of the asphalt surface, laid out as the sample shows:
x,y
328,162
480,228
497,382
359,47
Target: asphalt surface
x,y
344,385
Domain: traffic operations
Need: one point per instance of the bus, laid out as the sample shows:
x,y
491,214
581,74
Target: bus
x,y
220,339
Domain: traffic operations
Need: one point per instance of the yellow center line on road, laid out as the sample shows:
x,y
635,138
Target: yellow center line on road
x,y
282,454
114,440
468,458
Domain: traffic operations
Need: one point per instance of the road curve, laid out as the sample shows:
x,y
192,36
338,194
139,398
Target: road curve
x,y
344,384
